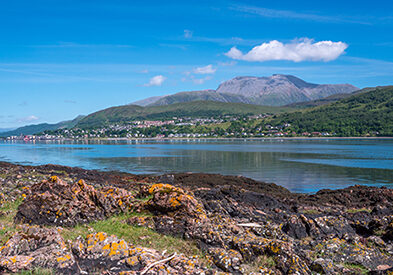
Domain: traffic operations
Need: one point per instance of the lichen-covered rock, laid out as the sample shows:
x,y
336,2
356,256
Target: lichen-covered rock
x,y
352,251
168,199
241,225
227,260
105,252
33,247
54,202
2,199
323,266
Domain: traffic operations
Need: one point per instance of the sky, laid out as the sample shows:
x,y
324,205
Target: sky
x,y
63,58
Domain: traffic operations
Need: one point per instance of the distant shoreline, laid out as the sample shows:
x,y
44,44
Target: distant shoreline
x,y
195,138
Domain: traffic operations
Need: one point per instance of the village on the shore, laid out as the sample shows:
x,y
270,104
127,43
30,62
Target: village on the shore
x,y
187,127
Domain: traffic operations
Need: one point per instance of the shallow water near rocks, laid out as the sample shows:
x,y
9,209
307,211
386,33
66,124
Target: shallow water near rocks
x,y
304,165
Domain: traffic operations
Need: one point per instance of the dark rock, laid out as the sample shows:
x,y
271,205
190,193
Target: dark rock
x,y
323,266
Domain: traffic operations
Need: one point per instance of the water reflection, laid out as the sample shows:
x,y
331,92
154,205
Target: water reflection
x,y
299,165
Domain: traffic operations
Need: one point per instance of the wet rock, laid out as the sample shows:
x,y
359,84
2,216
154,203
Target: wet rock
x,y
54,202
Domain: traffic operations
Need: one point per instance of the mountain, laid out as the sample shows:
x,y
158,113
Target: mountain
x,y
205,95
279,90
2,130
366,112
325,100
129,113
276,90
147,101
38,128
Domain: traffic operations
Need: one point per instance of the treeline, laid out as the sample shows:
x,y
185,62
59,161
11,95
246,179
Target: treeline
x,y
368,113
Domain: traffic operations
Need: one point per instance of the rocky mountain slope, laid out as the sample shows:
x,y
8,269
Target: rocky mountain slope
x,y
276,90
74,221
280,89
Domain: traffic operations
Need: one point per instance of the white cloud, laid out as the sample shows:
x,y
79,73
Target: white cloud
x,y
227,64
205,70
298,50
156,81
188,33
288,14
28,119
201,80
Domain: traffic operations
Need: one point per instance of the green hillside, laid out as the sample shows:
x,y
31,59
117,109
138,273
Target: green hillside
x,y
369,112
128,113
206,95
38,128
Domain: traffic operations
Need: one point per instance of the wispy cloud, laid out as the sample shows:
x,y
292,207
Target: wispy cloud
x,y
80,45
156,81
205,70
227,64
225,40
176,46
188,33
288,14
300,50
27,119
199,81
68,101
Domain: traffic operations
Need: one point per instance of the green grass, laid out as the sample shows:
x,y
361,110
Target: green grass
x,y
115,225
310,211
37,271
359,269
7,220
261,261
358,210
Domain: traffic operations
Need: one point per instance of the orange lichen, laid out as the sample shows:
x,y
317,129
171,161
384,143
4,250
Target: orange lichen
x,y
53,179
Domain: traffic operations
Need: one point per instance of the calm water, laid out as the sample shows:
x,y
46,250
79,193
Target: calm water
x,y
299,165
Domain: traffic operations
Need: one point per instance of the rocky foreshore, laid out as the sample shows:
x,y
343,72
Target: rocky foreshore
x,y
62,220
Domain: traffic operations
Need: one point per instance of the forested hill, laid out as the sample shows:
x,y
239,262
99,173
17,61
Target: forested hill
x,y
365,113
129,113
38,128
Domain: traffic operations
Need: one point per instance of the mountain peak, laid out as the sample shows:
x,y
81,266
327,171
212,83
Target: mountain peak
x,y
274,90
280,89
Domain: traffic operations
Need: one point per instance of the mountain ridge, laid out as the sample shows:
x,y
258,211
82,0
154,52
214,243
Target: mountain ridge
x,y
38,128
276,90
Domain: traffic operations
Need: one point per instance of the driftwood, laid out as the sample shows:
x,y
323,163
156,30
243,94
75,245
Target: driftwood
x,y
157,263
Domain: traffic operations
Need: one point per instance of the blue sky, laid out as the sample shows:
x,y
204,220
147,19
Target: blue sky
x,y
62,58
